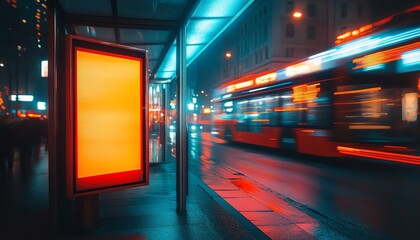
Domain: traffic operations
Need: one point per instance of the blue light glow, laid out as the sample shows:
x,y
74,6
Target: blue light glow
x,y
217,8
228,5
209,20
167,69
22,98
269,87
165,75
374,67
228,104
201,31
411,57
370,43
410,61
41,105
192,50
367,44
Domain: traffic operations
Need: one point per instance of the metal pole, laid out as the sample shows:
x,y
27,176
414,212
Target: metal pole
x,y
60,206
52,118
181,135
17,82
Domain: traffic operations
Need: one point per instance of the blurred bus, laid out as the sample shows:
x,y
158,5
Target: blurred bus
x,y
200,121
358,98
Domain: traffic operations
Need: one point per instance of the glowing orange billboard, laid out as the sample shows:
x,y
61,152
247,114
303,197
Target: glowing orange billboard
x,y
106,117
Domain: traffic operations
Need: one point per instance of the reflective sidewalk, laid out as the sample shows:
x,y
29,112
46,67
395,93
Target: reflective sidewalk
x,y
137,213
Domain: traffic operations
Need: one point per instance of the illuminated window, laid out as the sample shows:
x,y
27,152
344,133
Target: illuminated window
x,y
290,30
409,107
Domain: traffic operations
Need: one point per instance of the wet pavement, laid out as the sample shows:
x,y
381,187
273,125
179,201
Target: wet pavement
x,y
235,192
138,213
312,197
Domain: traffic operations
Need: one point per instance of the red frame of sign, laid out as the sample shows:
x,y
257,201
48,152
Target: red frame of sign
x,y
106,181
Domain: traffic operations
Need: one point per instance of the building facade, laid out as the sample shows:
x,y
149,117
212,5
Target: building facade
x,y
268,35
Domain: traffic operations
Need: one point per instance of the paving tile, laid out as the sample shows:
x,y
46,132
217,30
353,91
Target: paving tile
x,y
223,187
291,232
116,202
247,204
167,219
321,231
232,194
114,224
266,218
199,231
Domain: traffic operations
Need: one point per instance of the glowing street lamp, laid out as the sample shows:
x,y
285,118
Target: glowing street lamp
x,y
228,55
297,14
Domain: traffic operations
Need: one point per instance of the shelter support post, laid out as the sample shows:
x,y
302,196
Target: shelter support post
x,y
181,135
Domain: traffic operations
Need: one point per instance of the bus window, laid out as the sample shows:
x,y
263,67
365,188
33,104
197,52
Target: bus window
x,y
319,111
272,116
373,114
242,115
289,111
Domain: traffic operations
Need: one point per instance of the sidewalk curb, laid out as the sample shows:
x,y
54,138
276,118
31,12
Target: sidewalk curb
x,y
256,232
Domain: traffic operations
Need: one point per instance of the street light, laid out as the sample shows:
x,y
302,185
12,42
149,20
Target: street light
x,y
297,14
229,57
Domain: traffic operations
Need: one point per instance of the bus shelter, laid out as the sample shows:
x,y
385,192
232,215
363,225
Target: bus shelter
x,y
172,33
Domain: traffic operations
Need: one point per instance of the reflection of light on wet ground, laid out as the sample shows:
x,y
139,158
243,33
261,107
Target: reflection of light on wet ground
x,y
24,197
155,153
273,214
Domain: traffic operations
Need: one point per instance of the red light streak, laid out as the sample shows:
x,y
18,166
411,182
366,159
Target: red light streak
x,y
352,34
396,147
33,115
396,157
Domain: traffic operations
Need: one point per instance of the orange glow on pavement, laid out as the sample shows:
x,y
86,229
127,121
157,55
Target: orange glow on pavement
x,y
108,118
